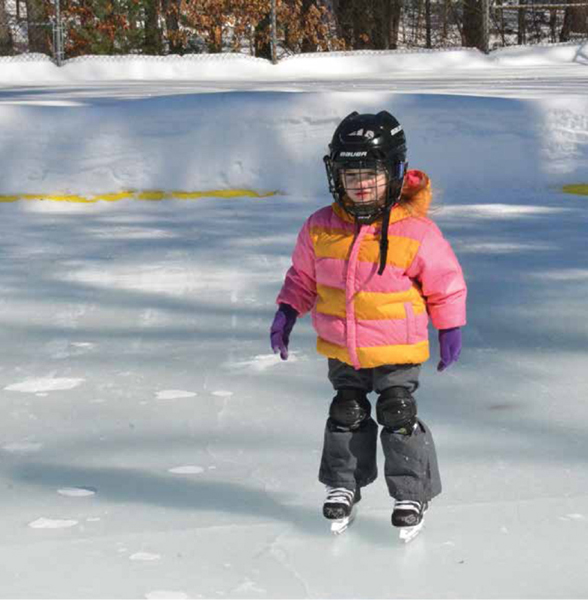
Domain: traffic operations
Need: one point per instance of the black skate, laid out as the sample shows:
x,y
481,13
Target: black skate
x,y
340,507
409,517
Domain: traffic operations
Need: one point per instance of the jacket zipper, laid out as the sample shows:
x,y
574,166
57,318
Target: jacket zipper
x,y
350,295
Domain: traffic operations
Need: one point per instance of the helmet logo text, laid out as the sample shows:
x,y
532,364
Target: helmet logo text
x,y
396,130
370,135
352,154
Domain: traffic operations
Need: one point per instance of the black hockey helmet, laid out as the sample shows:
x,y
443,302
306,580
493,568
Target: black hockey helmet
x,y
370,145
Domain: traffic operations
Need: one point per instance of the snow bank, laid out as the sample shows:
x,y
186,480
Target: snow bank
x,y
523,56
33,69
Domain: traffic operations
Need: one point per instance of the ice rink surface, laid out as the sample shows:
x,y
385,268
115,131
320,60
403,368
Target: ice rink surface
x,y
151,446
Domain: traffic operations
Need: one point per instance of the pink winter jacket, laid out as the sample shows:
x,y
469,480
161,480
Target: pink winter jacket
x,y
362,318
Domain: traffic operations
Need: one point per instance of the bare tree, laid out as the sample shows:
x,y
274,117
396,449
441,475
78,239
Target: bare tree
x,y
428,23
6,42
472,23
385,23
394,16
522,19
368,23
39,29
553,26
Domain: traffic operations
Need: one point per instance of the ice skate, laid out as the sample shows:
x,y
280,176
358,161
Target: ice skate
x,y
409,517
340,508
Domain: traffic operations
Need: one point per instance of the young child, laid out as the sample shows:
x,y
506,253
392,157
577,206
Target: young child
x,y
373,268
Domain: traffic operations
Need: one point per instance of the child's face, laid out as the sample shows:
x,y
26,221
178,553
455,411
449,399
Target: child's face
x,y
365,185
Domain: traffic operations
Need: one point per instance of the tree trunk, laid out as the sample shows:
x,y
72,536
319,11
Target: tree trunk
x,y
6,46
393,20
171,12
363,24
346,28
263,48
575,21
379,28
553,26
500,16
472,23
580,21
522,33
39,27
417,23
445,26
153,38
428,41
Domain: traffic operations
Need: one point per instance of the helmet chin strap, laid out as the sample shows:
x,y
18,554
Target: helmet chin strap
x,y
385,225
384,240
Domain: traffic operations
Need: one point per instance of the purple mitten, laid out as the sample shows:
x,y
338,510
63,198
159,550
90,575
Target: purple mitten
x,y
450,346
281,328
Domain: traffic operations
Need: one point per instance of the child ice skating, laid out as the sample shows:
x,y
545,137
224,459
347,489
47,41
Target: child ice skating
x,y
373,268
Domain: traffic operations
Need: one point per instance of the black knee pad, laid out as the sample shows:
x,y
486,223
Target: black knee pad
x,y
350,408
396,410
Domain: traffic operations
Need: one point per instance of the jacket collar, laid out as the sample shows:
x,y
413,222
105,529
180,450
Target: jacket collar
x,y
398,213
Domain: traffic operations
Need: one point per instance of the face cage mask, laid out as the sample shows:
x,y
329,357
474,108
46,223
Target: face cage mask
x,y
360,174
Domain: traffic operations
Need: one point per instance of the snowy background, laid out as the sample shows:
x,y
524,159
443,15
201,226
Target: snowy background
x,y
150,444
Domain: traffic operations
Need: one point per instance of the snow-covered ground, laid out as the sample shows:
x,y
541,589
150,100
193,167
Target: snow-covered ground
x,y
150,444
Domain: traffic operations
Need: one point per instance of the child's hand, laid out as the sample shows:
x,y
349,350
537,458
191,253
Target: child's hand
x,y
450,347
281,328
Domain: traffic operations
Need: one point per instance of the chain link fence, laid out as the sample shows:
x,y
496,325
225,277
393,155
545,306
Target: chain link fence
x,y
274,29
525,23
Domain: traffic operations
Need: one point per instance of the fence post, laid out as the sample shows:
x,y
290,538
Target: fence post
x,y
58,35
486,26
273,33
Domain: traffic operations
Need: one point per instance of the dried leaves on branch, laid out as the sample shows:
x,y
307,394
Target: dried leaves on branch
x,y
195,26
162,27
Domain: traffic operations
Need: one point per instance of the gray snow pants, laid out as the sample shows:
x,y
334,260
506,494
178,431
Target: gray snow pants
x,y
349,456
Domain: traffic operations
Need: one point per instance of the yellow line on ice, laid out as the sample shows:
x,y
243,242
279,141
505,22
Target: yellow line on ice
x,y
580,189
149,195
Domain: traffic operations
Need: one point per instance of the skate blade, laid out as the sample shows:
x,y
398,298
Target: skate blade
x,y
407,534
338,526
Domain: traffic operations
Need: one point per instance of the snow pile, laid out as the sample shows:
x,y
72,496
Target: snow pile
x,y
271,143
37,69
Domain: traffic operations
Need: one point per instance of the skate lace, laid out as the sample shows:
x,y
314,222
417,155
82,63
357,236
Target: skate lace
x,y
340,496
